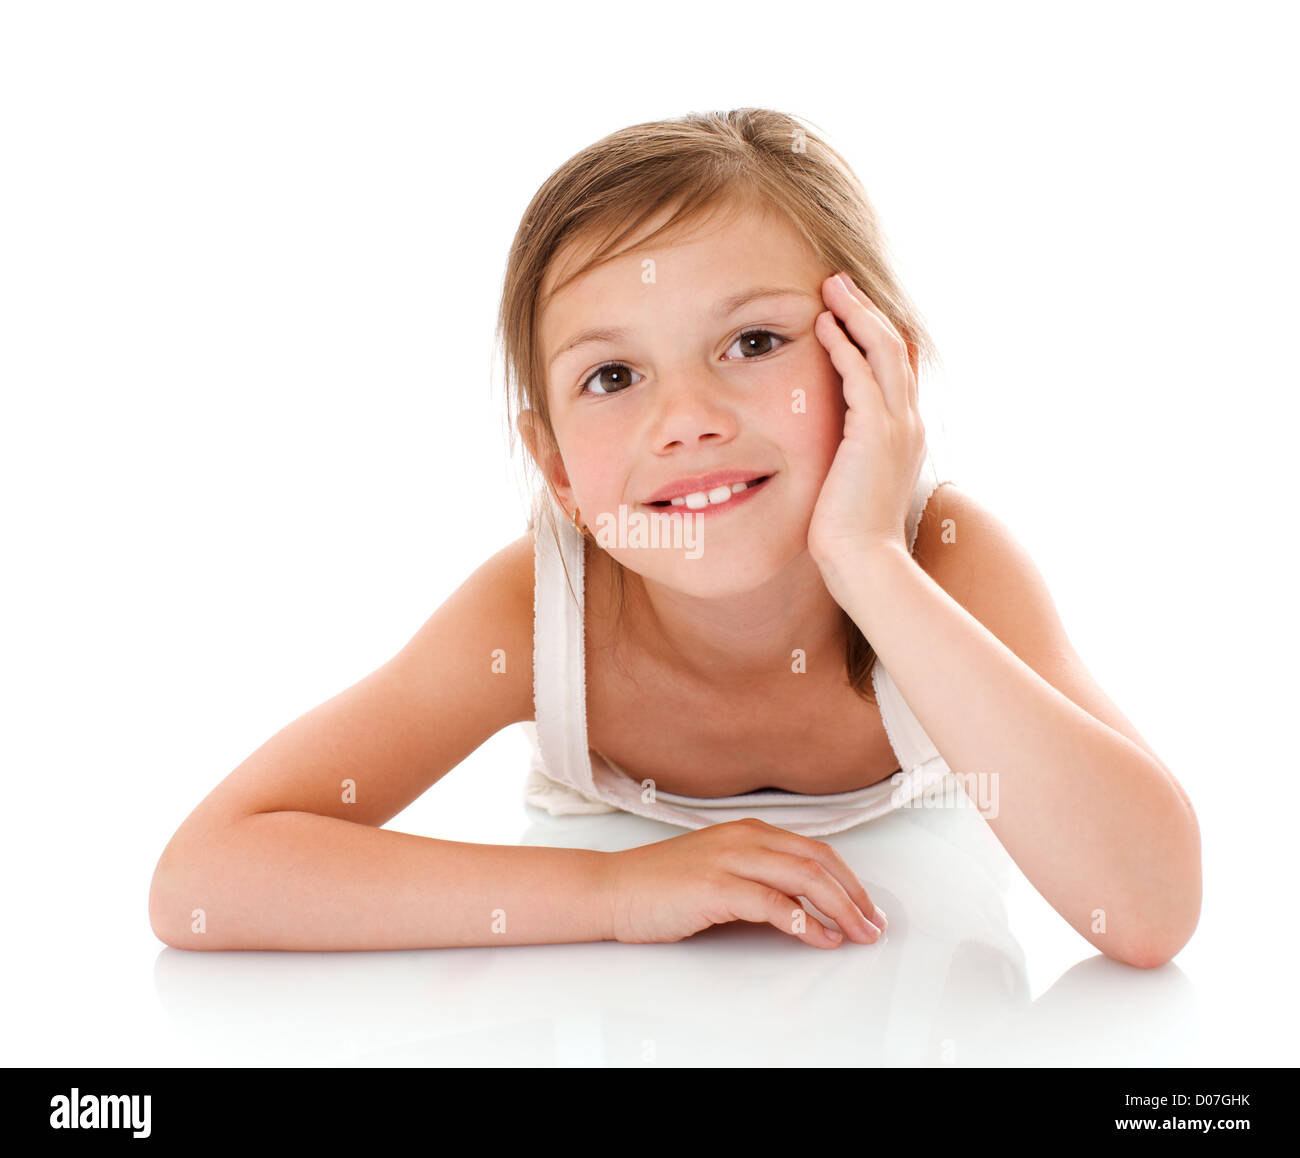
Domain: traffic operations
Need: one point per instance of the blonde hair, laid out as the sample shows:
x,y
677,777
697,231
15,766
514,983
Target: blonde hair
x,y
691,166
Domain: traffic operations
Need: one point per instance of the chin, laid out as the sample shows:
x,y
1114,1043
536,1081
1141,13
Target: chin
x,y
716,574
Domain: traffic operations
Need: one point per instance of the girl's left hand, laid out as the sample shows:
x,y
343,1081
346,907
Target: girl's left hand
x,y
867,493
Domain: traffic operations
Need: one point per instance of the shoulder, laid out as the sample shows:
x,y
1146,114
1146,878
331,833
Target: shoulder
x,y
510,576
514,565
974,556
503,583
949,537
482,634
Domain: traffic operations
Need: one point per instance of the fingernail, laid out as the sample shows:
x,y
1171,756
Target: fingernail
x,y
846,281
878,917
833,935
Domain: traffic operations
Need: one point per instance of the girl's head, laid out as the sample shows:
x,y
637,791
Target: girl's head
x,y
650,232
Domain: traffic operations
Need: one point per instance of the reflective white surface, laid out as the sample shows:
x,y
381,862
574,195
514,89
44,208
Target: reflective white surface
x,y
947,985
975,969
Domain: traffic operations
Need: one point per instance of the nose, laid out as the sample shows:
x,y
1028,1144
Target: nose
x,y
690,409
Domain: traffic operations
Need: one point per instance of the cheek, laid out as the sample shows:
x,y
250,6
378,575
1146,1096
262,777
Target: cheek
x,y
594,471
597,470
814,422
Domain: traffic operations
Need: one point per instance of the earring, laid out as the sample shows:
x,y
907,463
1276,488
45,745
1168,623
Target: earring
x,y
580,530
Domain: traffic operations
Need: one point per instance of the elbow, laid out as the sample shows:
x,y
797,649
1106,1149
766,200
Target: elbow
x,y
1154,948
1178,910
173,920
190,876
1151,958
162,915
1163,940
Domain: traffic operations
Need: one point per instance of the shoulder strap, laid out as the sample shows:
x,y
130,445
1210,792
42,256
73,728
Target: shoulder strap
x,y
559,659
926,482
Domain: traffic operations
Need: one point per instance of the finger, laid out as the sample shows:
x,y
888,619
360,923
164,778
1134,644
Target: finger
x,y
783,840
884,347
861,390
872,330
883,318
747,900
858,292
840,870
800,875
861,295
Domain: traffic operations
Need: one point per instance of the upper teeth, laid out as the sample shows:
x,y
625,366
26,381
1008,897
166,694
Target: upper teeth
x,y
699,499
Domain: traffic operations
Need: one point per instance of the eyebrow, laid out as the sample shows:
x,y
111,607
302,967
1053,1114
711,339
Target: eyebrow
x,y
726,306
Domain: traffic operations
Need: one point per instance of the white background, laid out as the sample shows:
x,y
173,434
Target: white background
x,y
253,432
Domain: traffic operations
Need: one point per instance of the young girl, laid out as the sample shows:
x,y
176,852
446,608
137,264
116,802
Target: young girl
x,y
743,606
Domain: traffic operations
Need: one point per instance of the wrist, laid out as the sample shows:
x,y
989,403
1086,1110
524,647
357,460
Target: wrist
x,y
850,565
608,891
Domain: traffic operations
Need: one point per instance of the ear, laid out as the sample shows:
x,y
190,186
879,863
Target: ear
x,y
547,457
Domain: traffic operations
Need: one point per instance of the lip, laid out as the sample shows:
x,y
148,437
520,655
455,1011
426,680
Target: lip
x,y
711,509
704,482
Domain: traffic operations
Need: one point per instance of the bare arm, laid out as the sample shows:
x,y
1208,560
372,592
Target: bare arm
x,y
1090,814
288,853
298,880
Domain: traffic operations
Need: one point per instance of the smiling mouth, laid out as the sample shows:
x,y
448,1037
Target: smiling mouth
x,y
712,498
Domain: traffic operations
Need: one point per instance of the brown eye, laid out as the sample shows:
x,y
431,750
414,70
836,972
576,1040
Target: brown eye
x,y
755,343
620,377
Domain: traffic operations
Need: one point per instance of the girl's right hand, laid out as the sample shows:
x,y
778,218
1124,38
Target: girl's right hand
x,y
739,870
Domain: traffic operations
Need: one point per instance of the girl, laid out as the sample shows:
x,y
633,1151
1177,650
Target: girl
x,y
749,609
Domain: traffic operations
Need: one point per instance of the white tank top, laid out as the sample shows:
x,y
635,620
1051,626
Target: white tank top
x,y
567,777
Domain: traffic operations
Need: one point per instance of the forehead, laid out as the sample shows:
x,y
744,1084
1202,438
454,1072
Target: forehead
x,y
702,261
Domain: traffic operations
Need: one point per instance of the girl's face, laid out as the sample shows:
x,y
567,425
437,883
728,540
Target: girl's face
x,y
696,383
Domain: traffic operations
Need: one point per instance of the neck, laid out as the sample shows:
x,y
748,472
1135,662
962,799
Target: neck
x,y
747,639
